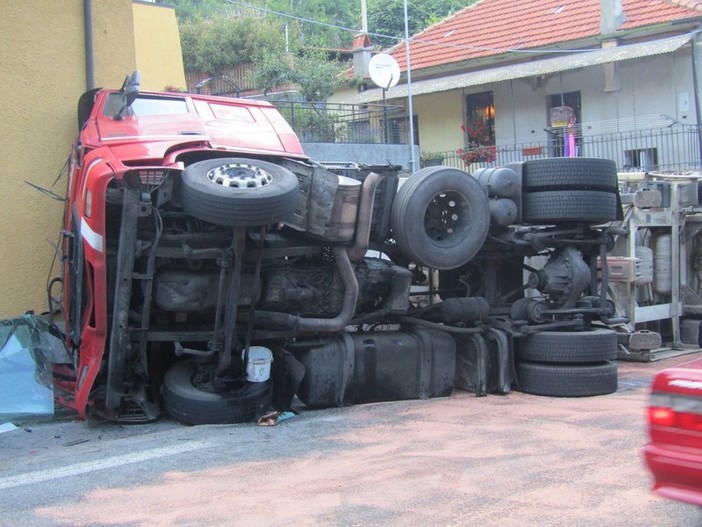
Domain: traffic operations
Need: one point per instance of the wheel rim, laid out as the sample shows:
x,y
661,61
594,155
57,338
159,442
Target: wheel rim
x,y
442,218
239,175
201,380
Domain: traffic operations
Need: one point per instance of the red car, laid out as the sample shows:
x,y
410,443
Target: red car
x,y
674,452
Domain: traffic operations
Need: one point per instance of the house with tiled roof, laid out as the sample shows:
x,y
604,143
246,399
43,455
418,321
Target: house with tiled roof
x,y
540,78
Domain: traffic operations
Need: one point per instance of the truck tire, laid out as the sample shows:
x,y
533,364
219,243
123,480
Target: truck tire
x,y
559,380
566,206
569,173
569,347
440,217
239,192
189,404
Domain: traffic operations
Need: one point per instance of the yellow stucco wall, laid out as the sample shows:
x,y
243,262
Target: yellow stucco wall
x,y
158,52
440,116
113,41
43,74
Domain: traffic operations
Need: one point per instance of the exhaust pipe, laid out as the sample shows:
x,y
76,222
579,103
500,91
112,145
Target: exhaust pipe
x,y
365,213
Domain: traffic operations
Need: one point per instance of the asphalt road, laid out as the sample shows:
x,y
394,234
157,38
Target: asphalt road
x,y
514,460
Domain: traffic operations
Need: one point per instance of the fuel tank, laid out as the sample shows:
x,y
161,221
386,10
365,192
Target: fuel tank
x,y
354,368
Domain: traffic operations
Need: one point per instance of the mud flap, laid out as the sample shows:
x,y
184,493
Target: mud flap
x,y
287,373
483,363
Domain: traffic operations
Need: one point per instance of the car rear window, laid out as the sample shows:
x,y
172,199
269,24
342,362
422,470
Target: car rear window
x,y
227,112
147,105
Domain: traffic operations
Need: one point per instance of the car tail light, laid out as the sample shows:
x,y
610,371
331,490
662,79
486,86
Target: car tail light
x,y
675,411
661,416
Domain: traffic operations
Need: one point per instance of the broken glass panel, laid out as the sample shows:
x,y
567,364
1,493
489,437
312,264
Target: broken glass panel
x,y
27,352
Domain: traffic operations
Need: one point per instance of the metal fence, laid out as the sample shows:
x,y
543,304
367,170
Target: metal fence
x,y
674,148
323,122
231,83
314,122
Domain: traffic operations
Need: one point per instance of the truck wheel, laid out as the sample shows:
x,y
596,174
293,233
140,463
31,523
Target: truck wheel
x,y
187,403
583,206
569,347
564,173
239,192
567,380
440,217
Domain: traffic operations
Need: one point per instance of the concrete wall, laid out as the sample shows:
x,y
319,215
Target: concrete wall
x,y
42,62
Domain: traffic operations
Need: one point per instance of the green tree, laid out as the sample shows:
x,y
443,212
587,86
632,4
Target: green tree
x,y
339,13
387,17
188,9
211,45
217,35
315,75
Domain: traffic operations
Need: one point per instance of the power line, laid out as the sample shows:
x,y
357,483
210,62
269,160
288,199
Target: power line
x,y
307,20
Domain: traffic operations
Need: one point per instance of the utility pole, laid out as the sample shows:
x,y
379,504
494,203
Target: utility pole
x,y
413,162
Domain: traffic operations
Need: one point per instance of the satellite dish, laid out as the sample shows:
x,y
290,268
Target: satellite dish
x,y
384,70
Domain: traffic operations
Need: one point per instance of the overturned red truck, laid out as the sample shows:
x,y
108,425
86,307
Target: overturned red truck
x,y
214,271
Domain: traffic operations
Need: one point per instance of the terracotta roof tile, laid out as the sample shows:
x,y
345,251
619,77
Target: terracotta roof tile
x,y
493,27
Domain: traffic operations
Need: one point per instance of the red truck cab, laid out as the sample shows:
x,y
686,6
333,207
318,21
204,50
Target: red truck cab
x,y
141,141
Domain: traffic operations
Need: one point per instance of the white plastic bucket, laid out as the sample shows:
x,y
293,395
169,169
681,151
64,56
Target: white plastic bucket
x,y
258,366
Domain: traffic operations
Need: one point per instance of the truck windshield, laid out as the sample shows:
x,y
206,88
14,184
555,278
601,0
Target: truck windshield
x,y
146,105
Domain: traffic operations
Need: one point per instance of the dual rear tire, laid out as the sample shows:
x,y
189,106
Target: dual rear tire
x,y
569,190
568,363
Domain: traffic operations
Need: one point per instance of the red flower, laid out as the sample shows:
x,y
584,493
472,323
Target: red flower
x,y
474,152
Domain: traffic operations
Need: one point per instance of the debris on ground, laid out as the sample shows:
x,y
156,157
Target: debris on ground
x,y
28,351
273,418
7,427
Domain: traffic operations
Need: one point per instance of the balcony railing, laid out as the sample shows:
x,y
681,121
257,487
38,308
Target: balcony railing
x,y
674,148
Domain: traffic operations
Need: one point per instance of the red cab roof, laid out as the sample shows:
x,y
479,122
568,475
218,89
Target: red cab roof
x,y
158,122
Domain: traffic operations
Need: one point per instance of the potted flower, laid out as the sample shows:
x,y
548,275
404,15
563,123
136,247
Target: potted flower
x,y
474,151
431,159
